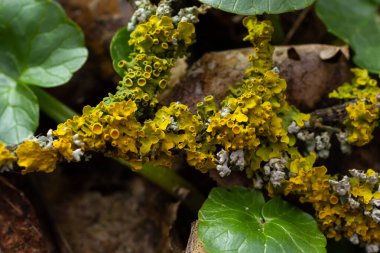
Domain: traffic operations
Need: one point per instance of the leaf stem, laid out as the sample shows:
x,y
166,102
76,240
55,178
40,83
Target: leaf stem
x,y
165,178
54,108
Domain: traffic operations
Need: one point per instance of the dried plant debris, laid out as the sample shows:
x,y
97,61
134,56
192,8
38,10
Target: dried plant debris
x,y
20,231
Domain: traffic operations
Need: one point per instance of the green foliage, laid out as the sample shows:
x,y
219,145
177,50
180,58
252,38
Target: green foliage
x,y
19,110
256,7
357,23
239,220
39,46
120,49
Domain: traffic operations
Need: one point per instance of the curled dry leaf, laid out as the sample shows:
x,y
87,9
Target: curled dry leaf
x,y
20,231
311,71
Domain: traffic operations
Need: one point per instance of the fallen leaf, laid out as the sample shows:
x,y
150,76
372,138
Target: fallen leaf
x,y
20,231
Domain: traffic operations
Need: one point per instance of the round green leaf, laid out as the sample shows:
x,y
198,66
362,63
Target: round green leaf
x,y
357,22
120,49
18,111
39,45
256,7
238,220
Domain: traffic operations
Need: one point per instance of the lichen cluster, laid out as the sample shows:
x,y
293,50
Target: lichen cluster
x,y
363,114
127,124
346,207
157,44
250,125
253,129
255,116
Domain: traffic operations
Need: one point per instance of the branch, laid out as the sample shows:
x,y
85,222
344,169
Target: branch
x,y
166,179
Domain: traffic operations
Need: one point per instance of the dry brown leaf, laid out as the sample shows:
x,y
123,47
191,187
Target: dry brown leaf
x,y
20,231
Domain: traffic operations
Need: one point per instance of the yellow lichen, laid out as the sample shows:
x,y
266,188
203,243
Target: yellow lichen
x,y
335,215
31,157
363,114
6,157
361,121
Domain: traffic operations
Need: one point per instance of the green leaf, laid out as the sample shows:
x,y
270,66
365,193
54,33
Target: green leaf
x,y
18,111
120,49
256,7
238,220
357,22
39,45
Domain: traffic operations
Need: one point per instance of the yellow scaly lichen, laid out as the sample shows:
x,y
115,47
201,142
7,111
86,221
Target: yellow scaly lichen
x,y
362,86
361,121
252,117
6,157
34,158
334,213
364,113
157,43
